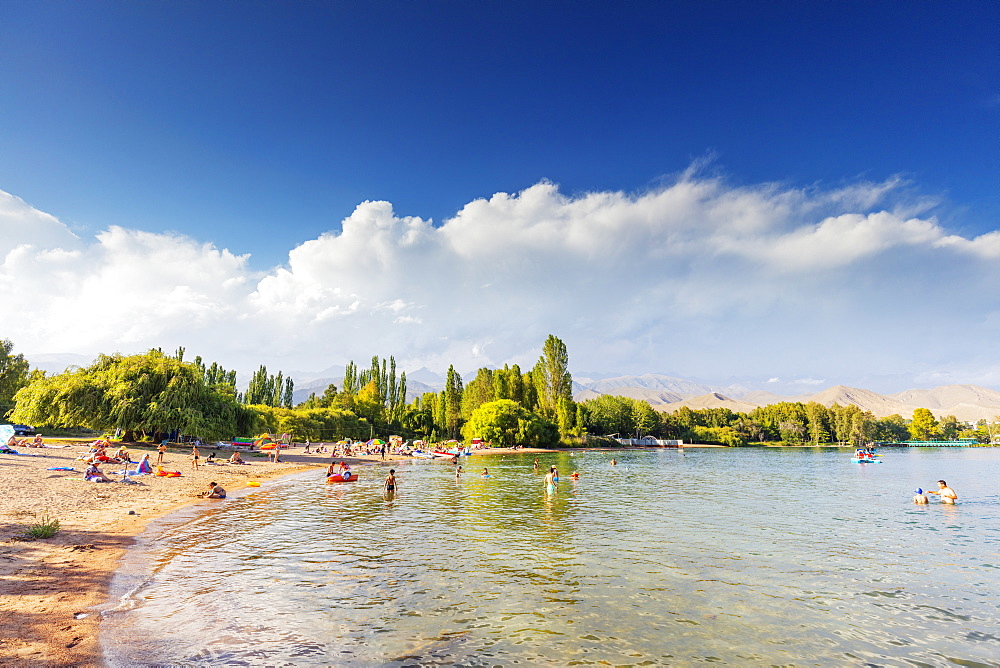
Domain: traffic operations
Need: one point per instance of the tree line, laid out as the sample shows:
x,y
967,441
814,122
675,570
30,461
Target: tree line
x,y
153,394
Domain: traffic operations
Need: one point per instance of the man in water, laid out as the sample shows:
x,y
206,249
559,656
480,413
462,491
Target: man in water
x,y
390,481
946,493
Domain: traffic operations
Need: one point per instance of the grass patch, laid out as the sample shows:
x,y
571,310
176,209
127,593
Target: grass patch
x,y
44,527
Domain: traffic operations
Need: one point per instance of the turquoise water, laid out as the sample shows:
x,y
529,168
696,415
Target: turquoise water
x,y
742,557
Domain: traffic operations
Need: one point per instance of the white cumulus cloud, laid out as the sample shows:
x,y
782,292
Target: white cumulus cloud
x,y
696,277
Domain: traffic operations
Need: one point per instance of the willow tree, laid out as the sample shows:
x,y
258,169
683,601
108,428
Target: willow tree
x,y
149,393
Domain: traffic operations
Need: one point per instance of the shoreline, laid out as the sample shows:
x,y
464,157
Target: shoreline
x,y
54,588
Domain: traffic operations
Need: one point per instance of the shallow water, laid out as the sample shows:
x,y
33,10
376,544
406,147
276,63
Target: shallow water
x,y
742,556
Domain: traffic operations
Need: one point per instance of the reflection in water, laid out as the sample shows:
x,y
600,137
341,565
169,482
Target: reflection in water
x,y
741,556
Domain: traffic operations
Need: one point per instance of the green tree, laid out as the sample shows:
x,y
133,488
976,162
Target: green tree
x,y
149,393
13,375
818,417
552,378
453,403
478,392
923,427
949,427
505,423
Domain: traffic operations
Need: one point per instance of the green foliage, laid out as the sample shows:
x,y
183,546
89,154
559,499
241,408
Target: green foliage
x,y
452,423
552,379
315,424
45,527
923,427
505,423
720,435
13,375
137,393
479,391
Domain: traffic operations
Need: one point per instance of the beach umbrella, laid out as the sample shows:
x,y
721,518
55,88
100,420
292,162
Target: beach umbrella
x,y
376,442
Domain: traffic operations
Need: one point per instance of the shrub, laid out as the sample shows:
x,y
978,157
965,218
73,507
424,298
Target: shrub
x,y
45,527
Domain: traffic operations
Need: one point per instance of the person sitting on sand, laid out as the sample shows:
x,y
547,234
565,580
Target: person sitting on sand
x,y
236,459
946,493
210,459
123,455
215,491
144,465
37,441
919,497
94,474
12,442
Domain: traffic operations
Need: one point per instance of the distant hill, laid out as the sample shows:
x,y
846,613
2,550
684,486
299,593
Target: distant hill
x,y
968,403
710,400
668,393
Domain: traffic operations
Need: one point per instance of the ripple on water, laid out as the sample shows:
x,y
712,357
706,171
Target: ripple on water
x,y
734,556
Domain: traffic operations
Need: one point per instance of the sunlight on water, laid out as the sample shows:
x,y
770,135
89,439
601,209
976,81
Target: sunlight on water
x,y
746,556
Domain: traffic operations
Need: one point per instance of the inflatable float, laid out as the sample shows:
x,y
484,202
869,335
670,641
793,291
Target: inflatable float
x,y
167,474
343,476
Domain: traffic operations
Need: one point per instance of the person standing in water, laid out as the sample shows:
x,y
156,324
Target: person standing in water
x,y
458,472
390,482
946,493
919,497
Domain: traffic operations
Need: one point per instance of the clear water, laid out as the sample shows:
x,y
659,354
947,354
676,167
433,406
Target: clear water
x,y
741,557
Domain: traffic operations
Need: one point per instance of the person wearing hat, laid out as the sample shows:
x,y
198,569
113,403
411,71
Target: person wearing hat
x,y
919,497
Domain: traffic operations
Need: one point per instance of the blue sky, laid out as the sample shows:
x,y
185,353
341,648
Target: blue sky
x,y
258,128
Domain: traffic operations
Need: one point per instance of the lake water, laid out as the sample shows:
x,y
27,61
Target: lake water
x,y
737,556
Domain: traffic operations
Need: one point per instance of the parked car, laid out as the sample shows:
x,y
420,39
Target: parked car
x,y
23,430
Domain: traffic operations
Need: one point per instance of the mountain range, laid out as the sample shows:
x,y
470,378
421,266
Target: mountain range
x,y
665,393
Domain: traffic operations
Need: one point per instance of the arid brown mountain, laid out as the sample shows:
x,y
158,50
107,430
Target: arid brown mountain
x,y
966,402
